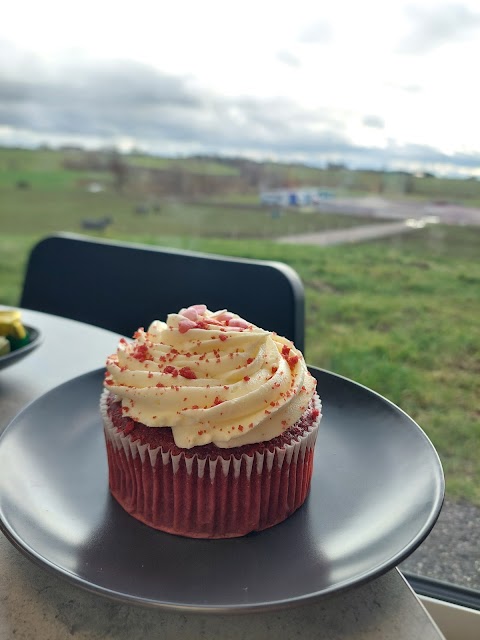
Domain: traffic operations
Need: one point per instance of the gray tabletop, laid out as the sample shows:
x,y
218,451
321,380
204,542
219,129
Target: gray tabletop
x,y
37,604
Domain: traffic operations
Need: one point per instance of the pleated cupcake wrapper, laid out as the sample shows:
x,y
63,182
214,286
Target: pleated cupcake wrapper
x,y
282,455
208,497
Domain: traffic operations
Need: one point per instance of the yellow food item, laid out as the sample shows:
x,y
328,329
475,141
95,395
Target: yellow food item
x,y
11,324
4,346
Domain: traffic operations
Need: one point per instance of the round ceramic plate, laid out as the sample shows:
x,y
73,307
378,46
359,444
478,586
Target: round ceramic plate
x,y
377,490
14,356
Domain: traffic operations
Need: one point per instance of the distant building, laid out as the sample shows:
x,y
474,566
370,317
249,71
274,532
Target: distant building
x,y
298,197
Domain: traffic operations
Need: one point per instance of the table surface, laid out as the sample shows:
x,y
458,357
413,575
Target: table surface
x,y
37,604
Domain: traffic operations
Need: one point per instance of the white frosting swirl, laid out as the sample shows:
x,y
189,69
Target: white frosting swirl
x,y
211,377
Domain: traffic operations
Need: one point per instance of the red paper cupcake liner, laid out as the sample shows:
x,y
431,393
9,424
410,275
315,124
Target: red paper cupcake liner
x,y
207,497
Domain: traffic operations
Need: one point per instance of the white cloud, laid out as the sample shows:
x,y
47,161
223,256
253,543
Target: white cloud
x,y
254,77
434,26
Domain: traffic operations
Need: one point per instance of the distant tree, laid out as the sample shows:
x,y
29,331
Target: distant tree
x,y
119,170
335,166
408,183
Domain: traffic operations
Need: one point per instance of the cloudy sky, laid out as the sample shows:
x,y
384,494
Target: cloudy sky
x,y
371,83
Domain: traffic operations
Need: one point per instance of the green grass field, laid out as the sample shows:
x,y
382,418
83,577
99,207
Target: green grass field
x,y
399,315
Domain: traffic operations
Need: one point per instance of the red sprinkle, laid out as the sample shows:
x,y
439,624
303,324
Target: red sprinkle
x,y
223,337
246,378
285,351
141,353
292,361
186,372
172,370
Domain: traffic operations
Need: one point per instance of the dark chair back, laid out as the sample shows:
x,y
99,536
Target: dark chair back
x,y
121,286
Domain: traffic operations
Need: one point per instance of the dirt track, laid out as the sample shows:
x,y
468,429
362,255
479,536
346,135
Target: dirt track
x,y
346,236
380,207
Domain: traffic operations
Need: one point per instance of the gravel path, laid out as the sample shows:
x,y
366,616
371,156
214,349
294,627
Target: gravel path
x,y
380,207
345,236
451,553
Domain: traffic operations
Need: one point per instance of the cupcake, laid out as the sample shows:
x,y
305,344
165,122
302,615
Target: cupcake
x,y
210,425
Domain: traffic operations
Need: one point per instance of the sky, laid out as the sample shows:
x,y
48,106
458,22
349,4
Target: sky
x,y
370,84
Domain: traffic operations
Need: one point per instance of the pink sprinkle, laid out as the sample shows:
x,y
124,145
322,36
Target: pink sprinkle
x,y
186,325
225,316
238,322
190,313
199,308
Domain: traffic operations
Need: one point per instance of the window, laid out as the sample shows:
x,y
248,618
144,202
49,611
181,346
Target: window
x,y
352,128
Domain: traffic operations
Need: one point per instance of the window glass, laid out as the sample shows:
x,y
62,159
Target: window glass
x,y
351,127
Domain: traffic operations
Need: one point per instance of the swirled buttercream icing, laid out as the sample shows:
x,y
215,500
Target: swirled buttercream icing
x,y
211,377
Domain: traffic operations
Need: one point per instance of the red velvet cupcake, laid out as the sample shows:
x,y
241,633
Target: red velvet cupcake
x,y
210,425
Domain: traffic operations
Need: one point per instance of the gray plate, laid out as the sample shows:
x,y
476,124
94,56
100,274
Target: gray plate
x,y
14,356
377,491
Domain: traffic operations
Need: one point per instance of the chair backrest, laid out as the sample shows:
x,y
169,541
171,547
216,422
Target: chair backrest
x,y
121,286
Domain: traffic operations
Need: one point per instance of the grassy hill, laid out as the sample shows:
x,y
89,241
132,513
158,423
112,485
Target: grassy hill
x,y
47,167
399,315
